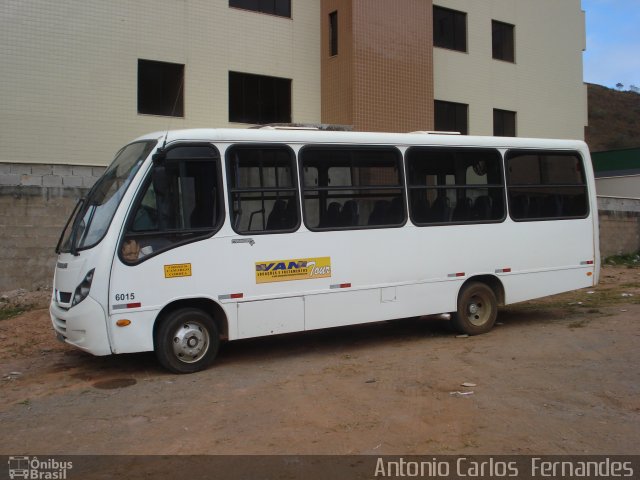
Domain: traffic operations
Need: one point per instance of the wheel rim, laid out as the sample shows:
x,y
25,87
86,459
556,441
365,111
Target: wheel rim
x,y
478,309
190,342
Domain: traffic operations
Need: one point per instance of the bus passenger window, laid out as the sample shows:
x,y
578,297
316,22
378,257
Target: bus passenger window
x,y
262,189
449,185
352,187
546,185
180,203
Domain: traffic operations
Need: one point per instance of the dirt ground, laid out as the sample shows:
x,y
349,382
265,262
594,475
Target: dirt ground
x,y
556,376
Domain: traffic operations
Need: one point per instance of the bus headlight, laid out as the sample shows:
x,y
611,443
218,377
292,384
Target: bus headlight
x,y
83,289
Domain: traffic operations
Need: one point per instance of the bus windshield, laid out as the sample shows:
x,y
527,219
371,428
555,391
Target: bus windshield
x,y
92,216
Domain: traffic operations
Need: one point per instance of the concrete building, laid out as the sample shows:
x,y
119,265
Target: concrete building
x,y
80,78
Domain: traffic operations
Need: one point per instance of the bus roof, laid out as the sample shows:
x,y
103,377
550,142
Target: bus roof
x,y
305,136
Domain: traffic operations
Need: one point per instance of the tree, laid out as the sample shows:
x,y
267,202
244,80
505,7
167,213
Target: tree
x,y
619,86
634,89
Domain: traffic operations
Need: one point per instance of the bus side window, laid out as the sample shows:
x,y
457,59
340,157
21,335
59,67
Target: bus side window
x,y
449,185
546,185
262,189
352,187
179,203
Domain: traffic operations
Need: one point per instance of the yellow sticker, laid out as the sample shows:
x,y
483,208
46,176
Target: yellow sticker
x,y
177,270
294,269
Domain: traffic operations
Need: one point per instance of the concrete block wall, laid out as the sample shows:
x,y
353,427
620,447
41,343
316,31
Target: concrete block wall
x,y
35,203
619,225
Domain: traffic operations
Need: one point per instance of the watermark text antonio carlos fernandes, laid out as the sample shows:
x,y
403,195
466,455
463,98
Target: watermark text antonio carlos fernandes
x,y
492,468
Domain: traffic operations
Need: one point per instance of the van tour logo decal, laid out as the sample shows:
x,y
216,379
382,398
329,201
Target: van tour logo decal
x,y
295,269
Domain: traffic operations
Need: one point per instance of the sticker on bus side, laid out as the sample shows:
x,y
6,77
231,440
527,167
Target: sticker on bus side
x,y
177,270
294,269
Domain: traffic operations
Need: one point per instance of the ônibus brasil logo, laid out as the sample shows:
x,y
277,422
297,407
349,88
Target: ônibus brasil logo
x,y
37,469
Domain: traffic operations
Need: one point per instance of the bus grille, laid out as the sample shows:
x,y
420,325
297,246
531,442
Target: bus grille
x,y
64,297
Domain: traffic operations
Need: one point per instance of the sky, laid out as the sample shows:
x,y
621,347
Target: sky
x,y
613,42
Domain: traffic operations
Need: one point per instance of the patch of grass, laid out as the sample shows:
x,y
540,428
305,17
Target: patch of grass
x,y
629,259
10,312
580,302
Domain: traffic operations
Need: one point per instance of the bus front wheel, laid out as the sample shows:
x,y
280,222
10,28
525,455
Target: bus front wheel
x,y
187,341
477,309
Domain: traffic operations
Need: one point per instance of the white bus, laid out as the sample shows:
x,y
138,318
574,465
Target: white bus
x,y
197,236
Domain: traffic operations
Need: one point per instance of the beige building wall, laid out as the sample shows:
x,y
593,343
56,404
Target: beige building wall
x,y
69,69
544,85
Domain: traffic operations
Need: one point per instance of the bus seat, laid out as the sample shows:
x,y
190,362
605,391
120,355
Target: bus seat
x,y
520,206
440,209
333,215
379,213
395,213
349,215
534,207
552,206
420,206
482,208
290,214
277,217
462,210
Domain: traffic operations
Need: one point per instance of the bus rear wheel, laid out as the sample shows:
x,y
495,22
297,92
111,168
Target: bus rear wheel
x,y
477,309
187,341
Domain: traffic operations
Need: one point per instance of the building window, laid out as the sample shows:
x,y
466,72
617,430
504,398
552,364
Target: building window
x,y
451,117
546,185
454,185
281,8
259,99
352,187
263,191
504,123
160,88
333,33
503,41
449,29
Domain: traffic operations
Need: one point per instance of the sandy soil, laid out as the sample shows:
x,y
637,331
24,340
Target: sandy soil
x,y
555,376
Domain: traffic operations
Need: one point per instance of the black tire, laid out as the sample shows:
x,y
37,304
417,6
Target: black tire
x,y
187,341
477,309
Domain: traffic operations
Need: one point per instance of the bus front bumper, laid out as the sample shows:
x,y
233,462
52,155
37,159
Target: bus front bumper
x,y
83,326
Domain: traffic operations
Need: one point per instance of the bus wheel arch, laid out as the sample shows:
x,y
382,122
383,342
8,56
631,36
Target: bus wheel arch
x,y
187,334
477,304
